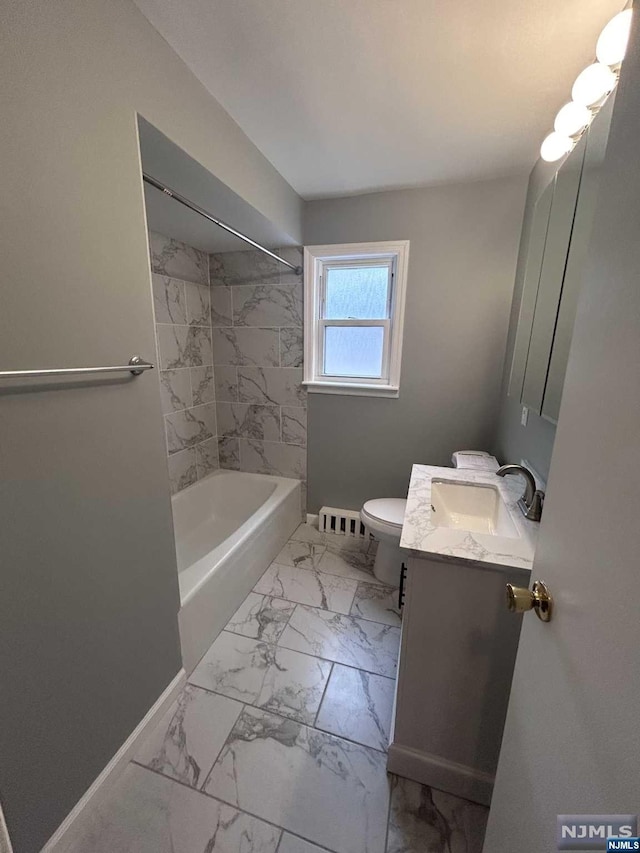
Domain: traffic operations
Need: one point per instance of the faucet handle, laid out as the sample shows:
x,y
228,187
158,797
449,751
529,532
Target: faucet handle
x,y
534,510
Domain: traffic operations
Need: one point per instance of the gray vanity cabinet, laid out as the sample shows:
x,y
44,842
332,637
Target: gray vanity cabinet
x,y
457,655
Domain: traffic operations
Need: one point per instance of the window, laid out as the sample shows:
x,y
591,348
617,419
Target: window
x,y
354,312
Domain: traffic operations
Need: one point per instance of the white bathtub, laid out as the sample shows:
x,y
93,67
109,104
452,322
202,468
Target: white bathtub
x,y
228,528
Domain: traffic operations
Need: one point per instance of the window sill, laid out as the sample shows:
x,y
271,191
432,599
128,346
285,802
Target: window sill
x,y
353,389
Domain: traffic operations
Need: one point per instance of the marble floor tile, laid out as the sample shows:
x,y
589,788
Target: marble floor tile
x,y
148,813
261,617
423,820
188,739
343,639
309,533
376,602
358,705
308,587
295,844
303,555
261,674
328,790
348,563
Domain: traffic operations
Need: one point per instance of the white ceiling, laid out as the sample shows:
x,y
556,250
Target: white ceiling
x,y
347,96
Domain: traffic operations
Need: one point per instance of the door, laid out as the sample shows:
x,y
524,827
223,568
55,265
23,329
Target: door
x,y
572,738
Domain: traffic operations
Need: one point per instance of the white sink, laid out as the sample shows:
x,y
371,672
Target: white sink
x,y
470,506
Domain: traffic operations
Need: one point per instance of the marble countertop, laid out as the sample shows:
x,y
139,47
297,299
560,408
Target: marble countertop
x,y
423,538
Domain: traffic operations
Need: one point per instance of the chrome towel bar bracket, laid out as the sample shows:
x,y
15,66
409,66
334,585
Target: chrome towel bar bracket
x,y
136,366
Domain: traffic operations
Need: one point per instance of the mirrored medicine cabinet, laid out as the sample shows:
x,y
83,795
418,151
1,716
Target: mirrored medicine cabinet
x,y
556,252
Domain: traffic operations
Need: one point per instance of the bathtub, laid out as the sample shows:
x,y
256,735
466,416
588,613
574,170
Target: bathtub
x,y
228,527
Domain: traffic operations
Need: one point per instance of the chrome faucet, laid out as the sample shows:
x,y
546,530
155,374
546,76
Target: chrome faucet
x,y
532,501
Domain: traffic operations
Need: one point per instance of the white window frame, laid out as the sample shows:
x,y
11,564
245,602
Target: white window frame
x,y
316,261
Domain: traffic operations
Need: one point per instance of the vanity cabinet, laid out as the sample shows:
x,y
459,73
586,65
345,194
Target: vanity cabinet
x,y
457,655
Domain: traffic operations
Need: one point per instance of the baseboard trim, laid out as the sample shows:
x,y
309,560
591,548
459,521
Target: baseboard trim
x,y
437,772
98,791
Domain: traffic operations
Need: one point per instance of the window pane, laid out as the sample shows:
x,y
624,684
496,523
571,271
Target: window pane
x,y
353,351
359,293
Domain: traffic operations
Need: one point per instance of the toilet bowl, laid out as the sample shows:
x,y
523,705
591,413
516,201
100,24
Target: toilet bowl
x,y
384,517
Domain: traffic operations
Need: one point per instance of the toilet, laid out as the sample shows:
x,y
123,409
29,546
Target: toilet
x,y
384,518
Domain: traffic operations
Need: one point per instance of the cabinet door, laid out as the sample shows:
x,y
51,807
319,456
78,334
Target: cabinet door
x,y
553,267
535,254
580,239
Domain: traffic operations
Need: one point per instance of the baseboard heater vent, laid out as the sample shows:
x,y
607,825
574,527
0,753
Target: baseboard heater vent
x,y
344,522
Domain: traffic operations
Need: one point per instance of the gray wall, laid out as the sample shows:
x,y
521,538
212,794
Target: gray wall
x,y
464,246
512,441
89,590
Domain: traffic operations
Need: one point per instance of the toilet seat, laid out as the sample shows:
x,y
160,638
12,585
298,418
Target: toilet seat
x,y
384,515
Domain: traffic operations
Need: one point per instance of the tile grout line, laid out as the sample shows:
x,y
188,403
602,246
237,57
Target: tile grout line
x,y
324,693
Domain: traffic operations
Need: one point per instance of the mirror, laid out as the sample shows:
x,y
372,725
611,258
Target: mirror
x,y
556,255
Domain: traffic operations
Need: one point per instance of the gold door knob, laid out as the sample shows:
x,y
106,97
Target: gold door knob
x,y
520,599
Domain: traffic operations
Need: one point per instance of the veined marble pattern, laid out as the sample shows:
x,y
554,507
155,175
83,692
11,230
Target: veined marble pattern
x,y
308,587
229,269
190,427
198,305
349,563
207,457
173,258
331,791
183,470
189,738
261,617
229,453
221,312
301,554
265,675
226,383
315,770
249,421
202,385
169,302
431,821
175,390
358,705
149,813
184,346
376,602
278,386
343,639
420,534
295,844
270,457
267,305
294,425
291,347
246,346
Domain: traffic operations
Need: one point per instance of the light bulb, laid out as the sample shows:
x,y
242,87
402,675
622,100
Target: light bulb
x,y
612,44
572,119
593,84
555,146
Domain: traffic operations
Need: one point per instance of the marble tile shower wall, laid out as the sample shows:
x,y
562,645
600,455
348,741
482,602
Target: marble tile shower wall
x,y
182,306
256,318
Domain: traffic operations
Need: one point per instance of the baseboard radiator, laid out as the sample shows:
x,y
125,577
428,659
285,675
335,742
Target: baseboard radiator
x,y
344,522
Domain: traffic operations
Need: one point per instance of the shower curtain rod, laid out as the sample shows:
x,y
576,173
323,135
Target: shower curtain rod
x,y
197,209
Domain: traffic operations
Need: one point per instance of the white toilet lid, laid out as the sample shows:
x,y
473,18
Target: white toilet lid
x,y
388,510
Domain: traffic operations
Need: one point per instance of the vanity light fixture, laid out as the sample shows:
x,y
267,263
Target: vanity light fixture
x,y
590,90
593,84
612,44
555,146
572,119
